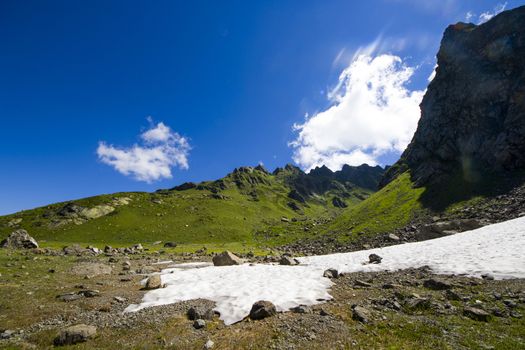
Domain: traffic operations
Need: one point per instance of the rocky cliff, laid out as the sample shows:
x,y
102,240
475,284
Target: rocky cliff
x,y
473,113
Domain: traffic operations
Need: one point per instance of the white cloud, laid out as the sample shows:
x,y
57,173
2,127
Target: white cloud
x,y
485,16
162,149
372,113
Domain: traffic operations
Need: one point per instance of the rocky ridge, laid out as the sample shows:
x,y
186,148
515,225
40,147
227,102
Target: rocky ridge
x,y
473,113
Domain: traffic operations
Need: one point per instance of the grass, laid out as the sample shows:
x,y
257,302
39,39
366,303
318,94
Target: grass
x,y
193,217
391,207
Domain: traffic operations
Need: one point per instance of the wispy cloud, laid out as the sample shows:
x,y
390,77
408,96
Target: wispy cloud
x,y
161,150
487,15
372,113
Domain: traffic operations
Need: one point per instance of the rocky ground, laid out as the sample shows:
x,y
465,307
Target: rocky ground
x,y
44,294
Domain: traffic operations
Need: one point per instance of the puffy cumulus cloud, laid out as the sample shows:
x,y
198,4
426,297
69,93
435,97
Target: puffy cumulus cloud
x,y
162,149
372,113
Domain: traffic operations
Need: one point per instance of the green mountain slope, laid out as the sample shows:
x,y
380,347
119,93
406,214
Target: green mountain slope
x,y
249,206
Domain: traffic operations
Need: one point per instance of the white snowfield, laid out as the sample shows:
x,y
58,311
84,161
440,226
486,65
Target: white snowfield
x,y
497,249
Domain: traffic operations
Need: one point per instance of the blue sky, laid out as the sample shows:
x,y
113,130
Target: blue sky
x,y
218,84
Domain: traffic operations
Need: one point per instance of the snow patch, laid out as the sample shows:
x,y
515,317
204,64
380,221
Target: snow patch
x,y
496,249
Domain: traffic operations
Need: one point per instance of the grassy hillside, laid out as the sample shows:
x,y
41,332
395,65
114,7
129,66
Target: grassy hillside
x,y
391,207
246,207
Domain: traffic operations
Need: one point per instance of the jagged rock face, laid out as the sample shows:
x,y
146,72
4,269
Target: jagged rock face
x,y
322,179
473,113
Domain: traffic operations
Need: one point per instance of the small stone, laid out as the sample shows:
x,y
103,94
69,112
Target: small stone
x,y
323,312
69,297
374,259
75,334
262,309
360,314
120,299
89,293
198,324
301,309
360,283
170,245
153,282
476,314
331,273
510,303
8,333
209,344
393,237
487,276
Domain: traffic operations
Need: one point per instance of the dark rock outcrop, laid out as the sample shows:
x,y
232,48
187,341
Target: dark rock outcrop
x,y
473,113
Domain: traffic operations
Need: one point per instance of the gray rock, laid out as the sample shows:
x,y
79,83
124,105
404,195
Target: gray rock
x,y
198,324
209,344
226,258
476,314
262,309
19,239
286,260
170,245
89,293
8,333
374,259
360,283
436,284
74,249
360,314
393,237
487,276
153,282
67,297
301,309
75,334
200,312
331,273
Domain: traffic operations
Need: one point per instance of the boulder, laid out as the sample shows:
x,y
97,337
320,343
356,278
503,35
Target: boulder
x,y
200,312
170,245
226,258
153,282
374,259
262,309
19,239
75,334
331,273
287,260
